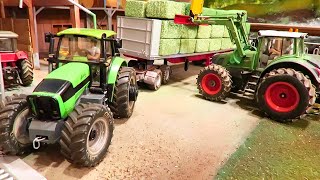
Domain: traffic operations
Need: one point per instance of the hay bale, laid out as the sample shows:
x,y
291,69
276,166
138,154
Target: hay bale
x,y
215,44
202,45
226,33
226,43
164,9
217,31
136,8
170,30
204,32
189,32
169,46
188,46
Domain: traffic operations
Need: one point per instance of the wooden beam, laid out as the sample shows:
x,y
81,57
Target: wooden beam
x,y
33,32
44,3
75,16
3,13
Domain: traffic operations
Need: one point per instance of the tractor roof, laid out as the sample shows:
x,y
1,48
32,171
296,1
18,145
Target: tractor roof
x,y
272,33
96,33
8,34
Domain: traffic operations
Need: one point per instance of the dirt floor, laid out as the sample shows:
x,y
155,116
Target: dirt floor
x,y
277,151
173,134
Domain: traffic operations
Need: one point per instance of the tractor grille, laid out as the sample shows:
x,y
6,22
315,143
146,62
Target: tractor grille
x,y
4,175
44,107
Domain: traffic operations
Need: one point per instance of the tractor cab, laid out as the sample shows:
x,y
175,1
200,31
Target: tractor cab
x,y
8,42
275,44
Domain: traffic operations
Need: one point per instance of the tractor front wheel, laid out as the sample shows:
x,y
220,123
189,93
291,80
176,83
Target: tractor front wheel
x,y
87,134
125,93
14,136
214,82
285,94
26,72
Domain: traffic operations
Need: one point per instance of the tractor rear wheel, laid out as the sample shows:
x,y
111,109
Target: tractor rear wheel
x,y
125,93
214,82
14,137
285,94
26,72
87,135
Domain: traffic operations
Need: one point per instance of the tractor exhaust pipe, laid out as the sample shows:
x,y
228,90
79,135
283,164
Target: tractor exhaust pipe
x,y
87,11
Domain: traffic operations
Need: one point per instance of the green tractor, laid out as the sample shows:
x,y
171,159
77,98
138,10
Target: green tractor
x,y
88,85
278,75
274,69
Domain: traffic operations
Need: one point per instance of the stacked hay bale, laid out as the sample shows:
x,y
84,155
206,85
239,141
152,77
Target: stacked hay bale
x,y
176,38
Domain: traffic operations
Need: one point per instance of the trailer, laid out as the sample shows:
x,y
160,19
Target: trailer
x,y
140,43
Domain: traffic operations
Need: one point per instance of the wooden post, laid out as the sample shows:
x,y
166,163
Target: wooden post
x,y
3,13
75,16
34,39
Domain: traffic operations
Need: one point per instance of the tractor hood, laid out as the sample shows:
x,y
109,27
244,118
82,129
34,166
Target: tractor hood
x,y
56,95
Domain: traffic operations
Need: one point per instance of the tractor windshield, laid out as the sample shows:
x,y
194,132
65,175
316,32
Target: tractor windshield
x,y
6,45
80,48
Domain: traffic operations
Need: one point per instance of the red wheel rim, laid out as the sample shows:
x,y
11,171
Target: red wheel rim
x,y
211,84
282,97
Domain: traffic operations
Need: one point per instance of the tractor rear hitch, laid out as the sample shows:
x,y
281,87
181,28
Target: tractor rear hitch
x,y
37,142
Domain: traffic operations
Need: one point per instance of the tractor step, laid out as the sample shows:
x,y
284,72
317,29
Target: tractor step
x,y
252,83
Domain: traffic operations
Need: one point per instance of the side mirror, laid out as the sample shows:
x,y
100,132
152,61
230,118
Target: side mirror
x,y
118,43
48,37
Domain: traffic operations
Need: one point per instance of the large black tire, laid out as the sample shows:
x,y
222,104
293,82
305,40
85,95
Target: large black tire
x,y
214,82
14,137
285,94
26,72
79,132
166,73
125,93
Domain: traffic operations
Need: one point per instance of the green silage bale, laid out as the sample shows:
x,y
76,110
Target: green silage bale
x,y
164,9
226,43
217,31
169,47
136,8
187,46
204,32
202,45
170,30
209,12
215,44
226,33
189,32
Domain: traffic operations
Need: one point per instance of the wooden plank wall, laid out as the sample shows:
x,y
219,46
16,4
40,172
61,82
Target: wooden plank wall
x,y
20,27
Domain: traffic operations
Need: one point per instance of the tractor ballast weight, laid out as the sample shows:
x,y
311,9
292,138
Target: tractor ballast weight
x,y
76,103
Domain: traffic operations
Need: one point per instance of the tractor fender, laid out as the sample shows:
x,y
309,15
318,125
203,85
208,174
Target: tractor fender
x,y
299,65
21,55
116,64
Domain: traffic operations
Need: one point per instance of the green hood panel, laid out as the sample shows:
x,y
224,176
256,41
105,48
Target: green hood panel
x,y
73,72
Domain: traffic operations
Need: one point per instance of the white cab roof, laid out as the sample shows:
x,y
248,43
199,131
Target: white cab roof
x,y
272,33
8,34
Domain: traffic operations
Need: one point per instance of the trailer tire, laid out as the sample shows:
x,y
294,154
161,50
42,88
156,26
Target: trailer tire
x,y
125,93
14,139
166,73
214,82
158,81
26,72
285,94
95,121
